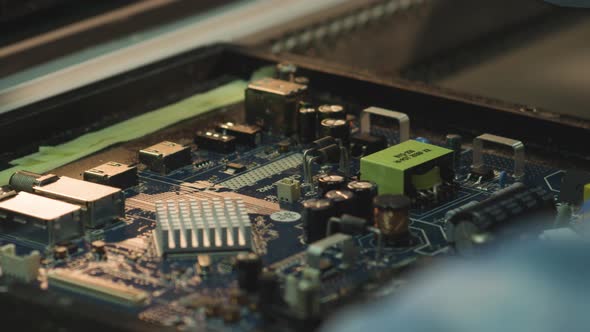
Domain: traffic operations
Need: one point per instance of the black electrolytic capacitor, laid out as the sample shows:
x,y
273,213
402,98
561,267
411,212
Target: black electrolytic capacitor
x,y
308,118
316,213
336,128
248,267
343,200
331,112
364,192
269,292
330,182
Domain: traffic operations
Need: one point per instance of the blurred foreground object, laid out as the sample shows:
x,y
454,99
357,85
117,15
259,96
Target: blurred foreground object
x,y
539,287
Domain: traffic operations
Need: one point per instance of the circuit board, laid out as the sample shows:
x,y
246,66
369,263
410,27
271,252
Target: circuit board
x,y
175,285
141,270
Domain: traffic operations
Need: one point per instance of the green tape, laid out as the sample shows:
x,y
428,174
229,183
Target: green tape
x,y
50,157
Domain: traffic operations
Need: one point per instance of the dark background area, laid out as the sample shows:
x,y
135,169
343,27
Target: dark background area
x,y
27,20
525,51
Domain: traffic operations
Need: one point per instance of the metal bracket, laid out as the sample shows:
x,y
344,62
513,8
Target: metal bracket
x,y
402,118
316,249
517,146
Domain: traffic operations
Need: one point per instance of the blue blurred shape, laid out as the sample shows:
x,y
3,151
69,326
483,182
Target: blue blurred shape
x,y
571,3
537,286
502,178
585,208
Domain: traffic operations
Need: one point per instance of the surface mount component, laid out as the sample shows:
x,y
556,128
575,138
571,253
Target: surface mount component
x,y
195,226
479,166
273,104
234,168
165,157
244,134
23,268
288,190
39,219
507,214
103,289
410,168
402,118
100,204
216,142
113,174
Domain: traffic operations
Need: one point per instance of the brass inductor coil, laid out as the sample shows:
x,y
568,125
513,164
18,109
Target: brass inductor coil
x,y
391,213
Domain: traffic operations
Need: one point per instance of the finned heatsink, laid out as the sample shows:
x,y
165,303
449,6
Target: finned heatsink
x,y
194,226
